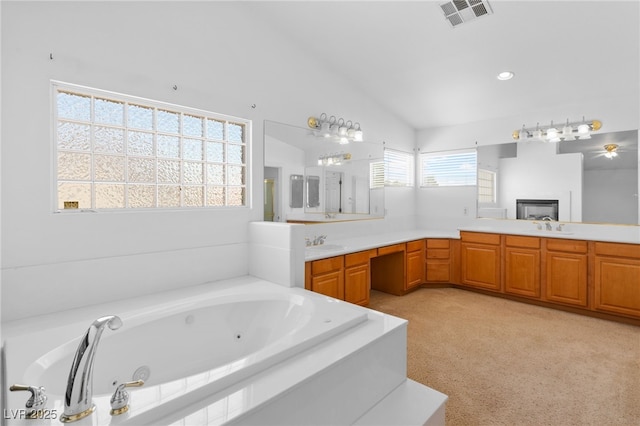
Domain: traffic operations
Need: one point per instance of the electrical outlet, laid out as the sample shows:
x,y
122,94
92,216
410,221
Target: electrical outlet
x,y
465,211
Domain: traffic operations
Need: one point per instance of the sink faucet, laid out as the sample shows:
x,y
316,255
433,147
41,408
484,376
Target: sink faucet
x,y
319,240
548,226
78,401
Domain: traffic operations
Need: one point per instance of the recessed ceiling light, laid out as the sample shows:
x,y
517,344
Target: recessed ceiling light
x,y
505,75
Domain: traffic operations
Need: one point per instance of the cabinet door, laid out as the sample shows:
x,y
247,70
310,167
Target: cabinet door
x,y
617,285
522,272
307,275
566,278
438,270
356,284
481,265
415,269
329,284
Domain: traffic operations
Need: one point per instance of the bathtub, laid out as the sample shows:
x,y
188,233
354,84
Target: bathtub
x,y
185,345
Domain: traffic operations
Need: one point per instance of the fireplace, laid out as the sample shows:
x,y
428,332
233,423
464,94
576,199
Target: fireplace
x,y
537,209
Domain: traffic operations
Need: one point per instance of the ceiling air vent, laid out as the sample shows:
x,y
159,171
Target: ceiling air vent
x,y
457,12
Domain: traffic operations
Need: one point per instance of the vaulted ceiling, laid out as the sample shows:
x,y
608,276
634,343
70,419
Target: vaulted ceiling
x,y
406,55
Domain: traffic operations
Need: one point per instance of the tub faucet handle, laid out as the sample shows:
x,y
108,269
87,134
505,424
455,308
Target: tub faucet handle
x,y
120,398
36,402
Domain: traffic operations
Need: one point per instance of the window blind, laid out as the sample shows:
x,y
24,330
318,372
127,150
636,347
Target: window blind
x,y
398,168
452,168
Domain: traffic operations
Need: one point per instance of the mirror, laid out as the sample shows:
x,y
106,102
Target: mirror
x,y
296,183
336,177
313,191
589,186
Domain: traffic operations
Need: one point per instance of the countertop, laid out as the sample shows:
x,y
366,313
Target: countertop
x,y
572,231
336,247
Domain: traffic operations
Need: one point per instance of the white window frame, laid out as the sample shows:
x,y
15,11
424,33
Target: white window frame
x,y
452,172
376,174
487,183
399,168
227,120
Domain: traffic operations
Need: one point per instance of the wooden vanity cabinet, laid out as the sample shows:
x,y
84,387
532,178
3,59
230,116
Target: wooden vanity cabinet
x,y
415,264
480,260
617,278
345,277
566,271
357,277
522,266
327,277
438,261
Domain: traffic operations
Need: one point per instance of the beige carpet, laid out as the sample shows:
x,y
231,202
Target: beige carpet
x,y
509,363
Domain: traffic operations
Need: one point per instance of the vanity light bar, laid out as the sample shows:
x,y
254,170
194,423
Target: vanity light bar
x,y
333,159
570,131
336,128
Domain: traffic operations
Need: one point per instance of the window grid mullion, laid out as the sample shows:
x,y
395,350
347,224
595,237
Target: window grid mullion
x,y
154,158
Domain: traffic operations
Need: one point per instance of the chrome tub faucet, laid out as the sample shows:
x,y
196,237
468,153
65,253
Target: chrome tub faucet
x,y
78,402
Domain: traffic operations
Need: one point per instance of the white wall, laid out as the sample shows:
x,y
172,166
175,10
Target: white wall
x,y
290,161
222,58
539,172
607,188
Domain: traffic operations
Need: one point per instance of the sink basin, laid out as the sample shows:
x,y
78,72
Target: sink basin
x,y
550,233
327,247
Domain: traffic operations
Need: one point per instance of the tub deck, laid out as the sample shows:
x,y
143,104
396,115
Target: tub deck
x,y
334,371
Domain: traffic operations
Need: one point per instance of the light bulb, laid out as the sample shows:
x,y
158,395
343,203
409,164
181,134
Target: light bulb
x,y
324,129
567,132
357,134
583,131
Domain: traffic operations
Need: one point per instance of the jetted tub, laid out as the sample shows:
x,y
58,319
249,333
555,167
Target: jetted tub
x,y
184,348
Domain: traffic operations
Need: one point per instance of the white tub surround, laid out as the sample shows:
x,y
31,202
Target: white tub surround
x,y
272,355
276,252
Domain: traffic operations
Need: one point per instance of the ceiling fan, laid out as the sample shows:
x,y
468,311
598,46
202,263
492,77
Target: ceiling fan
x,y
611,150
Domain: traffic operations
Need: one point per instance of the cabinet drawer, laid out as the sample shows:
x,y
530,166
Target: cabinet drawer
x,y
390,249
618,250
436,243
479,237
571,246
519,241
359,258
437,253
415,245
327,265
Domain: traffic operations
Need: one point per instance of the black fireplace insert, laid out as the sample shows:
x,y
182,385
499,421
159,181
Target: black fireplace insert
x,y
537,209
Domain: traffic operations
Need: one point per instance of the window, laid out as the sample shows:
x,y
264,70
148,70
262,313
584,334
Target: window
x,y
114,151
452,168
376,174
486,186
398,168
